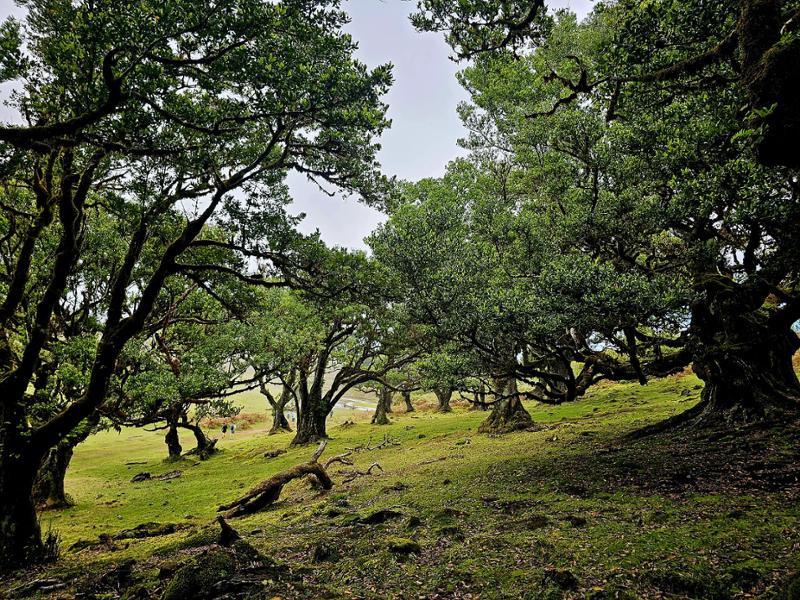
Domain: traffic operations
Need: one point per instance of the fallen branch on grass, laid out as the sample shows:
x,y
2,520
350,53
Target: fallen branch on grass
x,y
387,441
339,458
355,473
266,493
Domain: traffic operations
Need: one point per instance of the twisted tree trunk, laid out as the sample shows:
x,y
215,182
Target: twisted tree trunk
x,y
384,400
173,442
407,400
443,395
204,447
48,488
508,413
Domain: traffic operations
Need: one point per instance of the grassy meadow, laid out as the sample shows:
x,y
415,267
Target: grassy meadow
x,y
573,509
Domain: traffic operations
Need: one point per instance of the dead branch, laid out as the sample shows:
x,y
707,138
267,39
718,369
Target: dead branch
x,y
269,491
355,473
340,458
387,441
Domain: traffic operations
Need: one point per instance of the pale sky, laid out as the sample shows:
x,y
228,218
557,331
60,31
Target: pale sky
x,y
422,105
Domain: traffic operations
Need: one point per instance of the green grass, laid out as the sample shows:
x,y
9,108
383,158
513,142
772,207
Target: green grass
x,y
499,517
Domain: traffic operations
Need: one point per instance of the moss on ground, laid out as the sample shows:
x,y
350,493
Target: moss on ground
x,y
574,509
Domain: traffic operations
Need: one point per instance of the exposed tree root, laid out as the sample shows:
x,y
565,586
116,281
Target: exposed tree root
x,y
205,452
704,416
266,493
227,534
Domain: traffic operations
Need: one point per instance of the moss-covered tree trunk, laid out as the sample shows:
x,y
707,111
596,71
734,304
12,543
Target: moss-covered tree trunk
x,y
407,400
20,534
381,408
745,362
278,405
204,447
279,421
508,414
311,425
48,488
173,442
443,397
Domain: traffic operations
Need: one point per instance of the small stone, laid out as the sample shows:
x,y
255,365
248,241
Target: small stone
x,y
413,521
325,552
398,545
380,516
562,578
576,520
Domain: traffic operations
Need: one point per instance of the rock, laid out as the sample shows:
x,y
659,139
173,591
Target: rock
x,y
396,487
575,520
404,546
380,516
450,531
82,545
452,513
686,393
199,574
274,453
144,476
535,522
562,578
146,530
325,552
413,521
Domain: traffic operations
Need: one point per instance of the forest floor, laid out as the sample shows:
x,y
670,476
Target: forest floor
x,y
574,509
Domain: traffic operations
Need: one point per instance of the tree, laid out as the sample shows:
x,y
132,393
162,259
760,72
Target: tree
x,y
752,47
155,114
656,201
185,368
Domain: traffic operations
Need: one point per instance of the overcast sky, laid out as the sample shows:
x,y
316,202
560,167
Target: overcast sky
x,y
422,106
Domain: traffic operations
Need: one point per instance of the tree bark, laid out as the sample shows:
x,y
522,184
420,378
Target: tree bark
x,y
279,420
443,395
508,413
311,419
384,399
20,534
48,488
269,491
745,362
173,442
407,400
204,447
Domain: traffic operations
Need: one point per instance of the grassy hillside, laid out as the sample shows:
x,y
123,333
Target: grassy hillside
x,y
569,510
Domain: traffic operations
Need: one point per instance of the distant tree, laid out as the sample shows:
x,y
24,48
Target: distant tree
x,y
184,369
